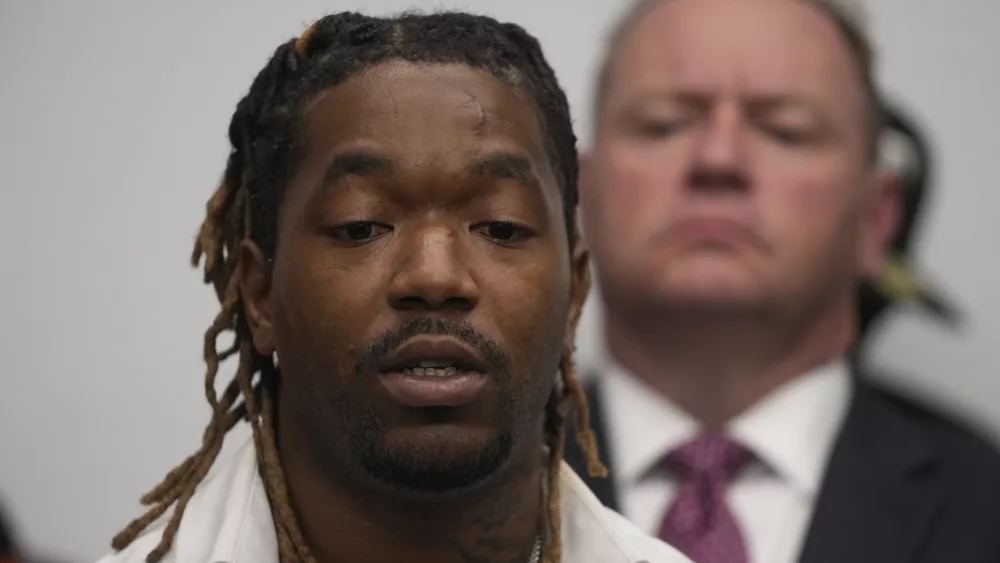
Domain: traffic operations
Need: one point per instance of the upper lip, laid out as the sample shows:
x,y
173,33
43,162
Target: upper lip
x,y
727,218
432,347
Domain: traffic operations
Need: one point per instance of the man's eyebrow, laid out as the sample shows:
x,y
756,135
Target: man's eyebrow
x,y
359,162
507,166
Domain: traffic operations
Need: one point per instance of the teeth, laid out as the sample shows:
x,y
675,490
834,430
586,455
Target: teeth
x,y
430,372
435,364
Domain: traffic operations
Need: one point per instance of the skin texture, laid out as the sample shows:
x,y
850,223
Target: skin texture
x,y
729,200
425,204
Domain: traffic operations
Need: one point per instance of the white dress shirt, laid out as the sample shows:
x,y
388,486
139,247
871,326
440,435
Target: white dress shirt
x,y
229,521
790,433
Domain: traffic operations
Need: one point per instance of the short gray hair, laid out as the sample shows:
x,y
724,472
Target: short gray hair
x,y
847,15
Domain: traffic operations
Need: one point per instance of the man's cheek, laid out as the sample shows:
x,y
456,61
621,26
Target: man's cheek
x,y
547,318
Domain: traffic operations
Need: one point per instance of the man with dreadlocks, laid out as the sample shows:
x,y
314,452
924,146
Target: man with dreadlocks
x,y
394,248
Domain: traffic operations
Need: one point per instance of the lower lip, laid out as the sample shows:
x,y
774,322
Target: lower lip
x,y
433,391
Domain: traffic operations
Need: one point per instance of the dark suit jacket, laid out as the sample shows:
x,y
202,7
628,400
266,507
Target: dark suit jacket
x,y
903,485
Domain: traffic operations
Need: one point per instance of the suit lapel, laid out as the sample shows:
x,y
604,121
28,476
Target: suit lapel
x,y
602,487
880,491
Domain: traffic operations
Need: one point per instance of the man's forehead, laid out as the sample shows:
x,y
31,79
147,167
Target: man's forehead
x,y
423,105
771,46
398,89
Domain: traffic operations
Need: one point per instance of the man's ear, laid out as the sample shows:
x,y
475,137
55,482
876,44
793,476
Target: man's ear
x,y
254,272
579,289
881,221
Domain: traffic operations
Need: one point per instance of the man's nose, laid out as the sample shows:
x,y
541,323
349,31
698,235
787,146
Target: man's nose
x,y
434,274
719,152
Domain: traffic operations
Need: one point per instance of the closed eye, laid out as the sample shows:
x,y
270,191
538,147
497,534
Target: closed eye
x,y
356,233
503,232
788,135
659,129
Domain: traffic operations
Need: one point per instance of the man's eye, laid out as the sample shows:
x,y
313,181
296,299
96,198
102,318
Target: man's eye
x,y
503,232
788,135
358,232
659,129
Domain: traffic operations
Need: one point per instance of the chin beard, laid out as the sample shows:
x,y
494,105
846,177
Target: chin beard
x,y
436,466
430,461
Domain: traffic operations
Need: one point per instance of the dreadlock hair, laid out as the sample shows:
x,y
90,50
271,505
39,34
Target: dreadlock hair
x,y
267,145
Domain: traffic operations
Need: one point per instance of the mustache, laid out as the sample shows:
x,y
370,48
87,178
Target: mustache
x,y
385,343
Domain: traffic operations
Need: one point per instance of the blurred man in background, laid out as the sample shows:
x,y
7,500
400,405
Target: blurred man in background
x,y
733,203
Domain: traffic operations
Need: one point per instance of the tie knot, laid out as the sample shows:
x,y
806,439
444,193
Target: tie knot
x,y
709,454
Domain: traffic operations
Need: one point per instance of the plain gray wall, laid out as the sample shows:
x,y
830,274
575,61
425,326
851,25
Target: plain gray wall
x,y
113,117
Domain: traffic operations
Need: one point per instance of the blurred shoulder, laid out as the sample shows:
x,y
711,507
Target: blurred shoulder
x,y
646,547
958,442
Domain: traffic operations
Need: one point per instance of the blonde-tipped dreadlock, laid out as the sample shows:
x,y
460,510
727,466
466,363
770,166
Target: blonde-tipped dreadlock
x,y
266,146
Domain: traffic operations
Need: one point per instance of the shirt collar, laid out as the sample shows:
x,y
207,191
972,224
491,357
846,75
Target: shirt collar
x,y
643,425
229,518
791,431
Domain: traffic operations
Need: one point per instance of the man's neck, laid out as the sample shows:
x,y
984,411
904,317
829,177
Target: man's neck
x,y
717,368
346,524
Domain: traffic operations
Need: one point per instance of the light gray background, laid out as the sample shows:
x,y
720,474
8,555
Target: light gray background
x,y
113,117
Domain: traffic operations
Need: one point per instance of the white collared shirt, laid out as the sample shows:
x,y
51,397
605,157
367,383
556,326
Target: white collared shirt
x,y
791,433
229,521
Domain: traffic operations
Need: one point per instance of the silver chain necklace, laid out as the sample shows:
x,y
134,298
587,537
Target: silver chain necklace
x,y
536,552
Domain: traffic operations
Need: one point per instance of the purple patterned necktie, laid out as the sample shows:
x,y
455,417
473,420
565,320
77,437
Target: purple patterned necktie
x,y
699,522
